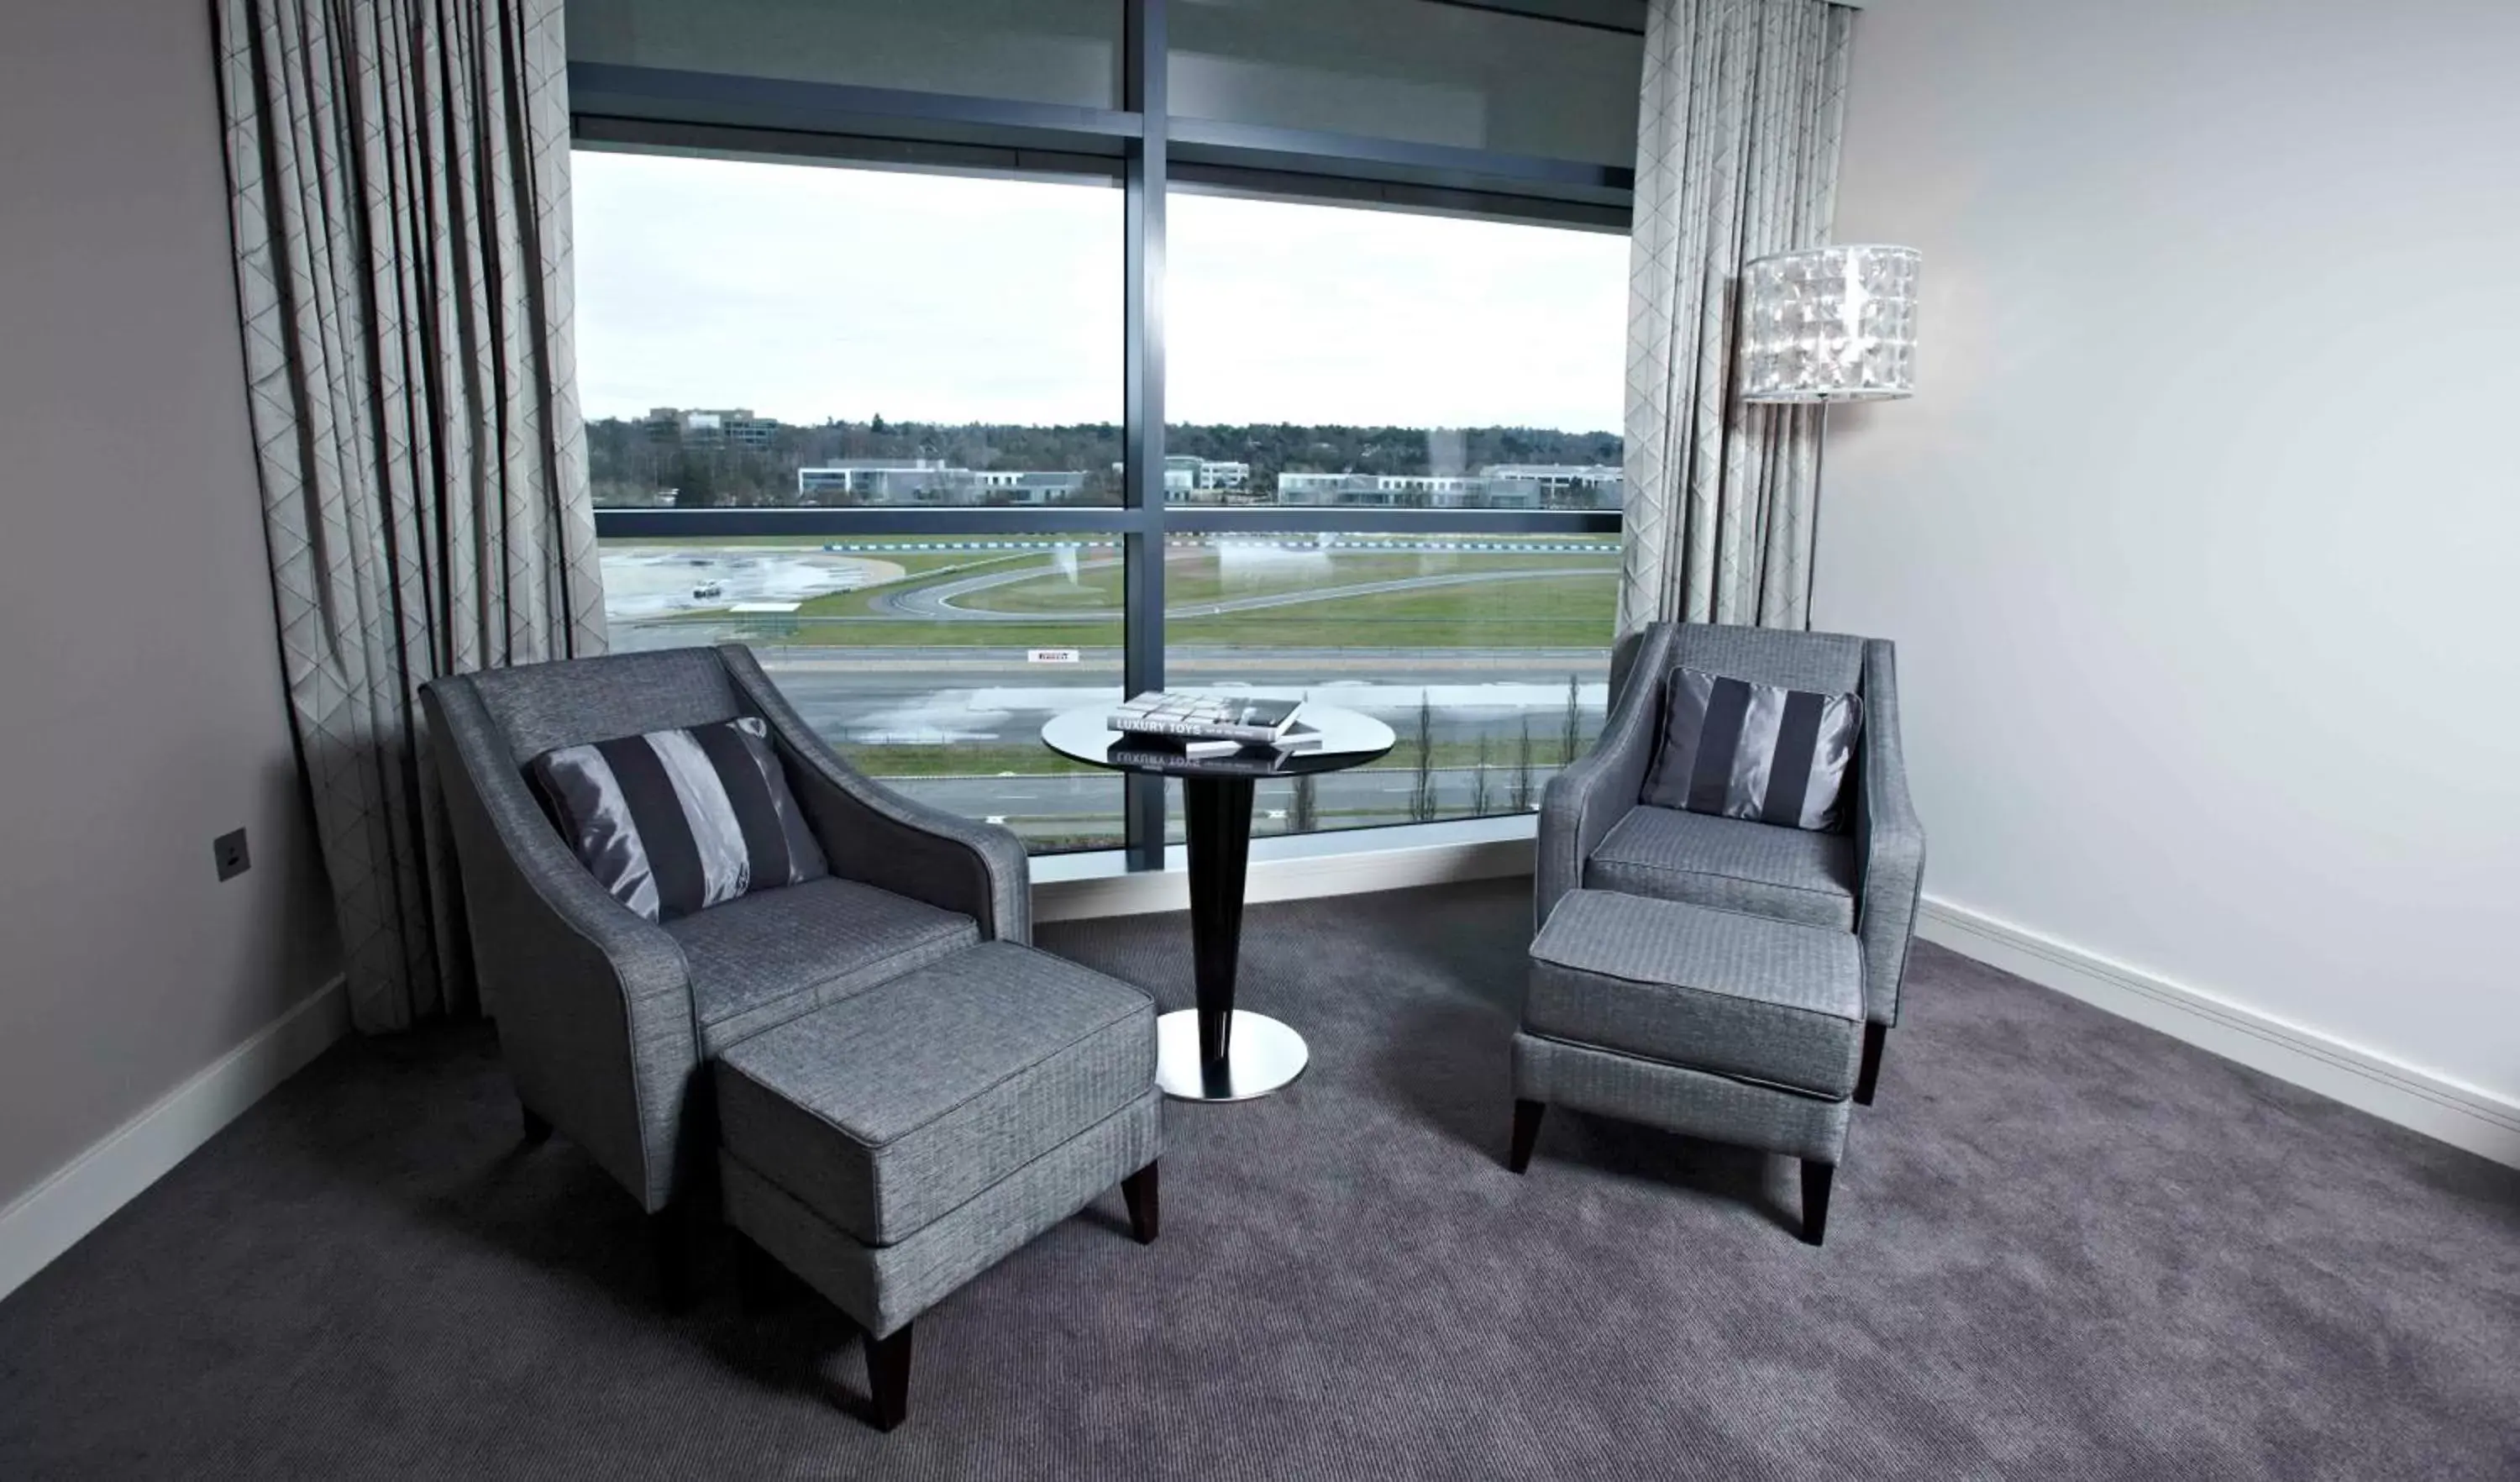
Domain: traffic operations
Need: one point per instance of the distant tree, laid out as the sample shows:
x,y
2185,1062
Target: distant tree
x,y
1574,736
1421,793
1305,816
1522,773
1479,780
624,452
695,481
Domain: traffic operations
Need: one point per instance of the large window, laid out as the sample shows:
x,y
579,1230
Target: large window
x,y
763,334
1340,360
966,408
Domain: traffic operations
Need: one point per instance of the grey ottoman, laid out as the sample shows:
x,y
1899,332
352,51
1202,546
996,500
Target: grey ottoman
x,y
890,1147
1739,1028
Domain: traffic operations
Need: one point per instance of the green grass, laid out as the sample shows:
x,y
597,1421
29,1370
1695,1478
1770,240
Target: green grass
x,y
1200,580
1545,613
1053,592
1561,611
919,568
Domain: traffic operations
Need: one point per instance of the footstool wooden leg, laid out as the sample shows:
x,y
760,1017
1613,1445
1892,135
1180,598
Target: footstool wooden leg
x,y
1146,1215
889,1376
758,1279
1816,1181
671,1251
1526,1132
1875,1037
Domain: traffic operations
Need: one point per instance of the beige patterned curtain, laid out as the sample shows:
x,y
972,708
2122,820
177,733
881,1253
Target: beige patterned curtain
x,y
398,173
1736,158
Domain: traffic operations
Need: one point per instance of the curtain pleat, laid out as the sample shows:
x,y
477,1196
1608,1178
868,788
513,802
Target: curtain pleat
x,y
1736,158
398,176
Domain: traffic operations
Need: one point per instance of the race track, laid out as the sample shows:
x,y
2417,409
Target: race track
x,y
995,697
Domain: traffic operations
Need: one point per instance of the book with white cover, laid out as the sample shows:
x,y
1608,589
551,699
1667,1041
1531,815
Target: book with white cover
x,y
1206,717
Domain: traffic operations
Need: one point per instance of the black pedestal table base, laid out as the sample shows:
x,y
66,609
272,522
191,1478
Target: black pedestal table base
x,y
1215,1051
1212,1053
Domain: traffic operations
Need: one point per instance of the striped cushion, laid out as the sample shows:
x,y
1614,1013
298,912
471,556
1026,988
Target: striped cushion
x,y
1757,752
673,822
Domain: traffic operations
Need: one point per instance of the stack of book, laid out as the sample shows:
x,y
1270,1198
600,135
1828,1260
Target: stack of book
x,y
1165,726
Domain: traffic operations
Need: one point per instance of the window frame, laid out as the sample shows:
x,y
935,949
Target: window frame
x,y
1144,149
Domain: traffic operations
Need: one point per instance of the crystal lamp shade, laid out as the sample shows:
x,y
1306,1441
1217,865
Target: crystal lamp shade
x,y
1829,324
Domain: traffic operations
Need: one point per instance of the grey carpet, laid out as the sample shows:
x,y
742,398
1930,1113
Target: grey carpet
x,y
2062,1246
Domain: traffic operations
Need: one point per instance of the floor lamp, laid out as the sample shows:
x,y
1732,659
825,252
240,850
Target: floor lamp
x,y
1828,324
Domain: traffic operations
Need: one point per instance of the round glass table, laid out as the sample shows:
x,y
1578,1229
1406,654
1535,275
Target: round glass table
x,y
1215,1051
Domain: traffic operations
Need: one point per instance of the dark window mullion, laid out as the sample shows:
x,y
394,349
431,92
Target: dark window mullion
x,y
1143,94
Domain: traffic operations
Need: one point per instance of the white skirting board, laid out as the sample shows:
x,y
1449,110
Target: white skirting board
x,y
2460,1115
51,1217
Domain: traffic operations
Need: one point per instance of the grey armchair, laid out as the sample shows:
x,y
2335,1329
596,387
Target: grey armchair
x,y
605,1019
1594,834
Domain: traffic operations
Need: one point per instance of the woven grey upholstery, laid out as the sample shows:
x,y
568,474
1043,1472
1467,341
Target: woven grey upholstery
x,y
1587,799
1711,990
761,960
1878,863
1889,842
596,1008
1733,863
1828,663
873,834
885,1110
539,706
1678,1099
594,1003
885,1286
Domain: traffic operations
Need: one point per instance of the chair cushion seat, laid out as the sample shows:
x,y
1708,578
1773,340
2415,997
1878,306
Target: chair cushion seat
x,y
1733,863
1711,990
887,1109
768,957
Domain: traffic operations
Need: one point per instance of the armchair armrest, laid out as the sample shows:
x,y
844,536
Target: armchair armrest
x,y
1584,801
593,1001
872,834
1889,842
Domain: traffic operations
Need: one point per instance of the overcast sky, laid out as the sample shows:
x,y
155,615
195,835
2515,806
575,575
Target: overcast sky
x,y
807,293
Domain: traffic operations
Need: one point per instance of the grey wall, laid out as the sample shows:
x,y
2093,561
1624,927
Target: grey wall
x,y
2201,539
140,704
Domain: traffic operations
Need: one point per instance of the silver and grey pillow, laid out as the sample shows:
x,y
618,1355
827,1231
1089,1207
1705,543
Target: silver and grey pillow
x,y
1757,752
674,822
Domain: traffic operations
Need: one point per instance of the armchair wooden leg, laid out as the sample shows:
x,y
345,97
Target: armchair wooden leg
x,y
1875,1037
537,1131
1526,1132
889,1376
1145,1213
1817,1178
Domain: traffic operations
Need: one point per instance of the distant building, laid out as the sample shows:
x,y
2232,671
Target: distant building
x,y
720,428
890,480
1565,486
1031,488
1398,491
1185,475
929,481
1502,486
